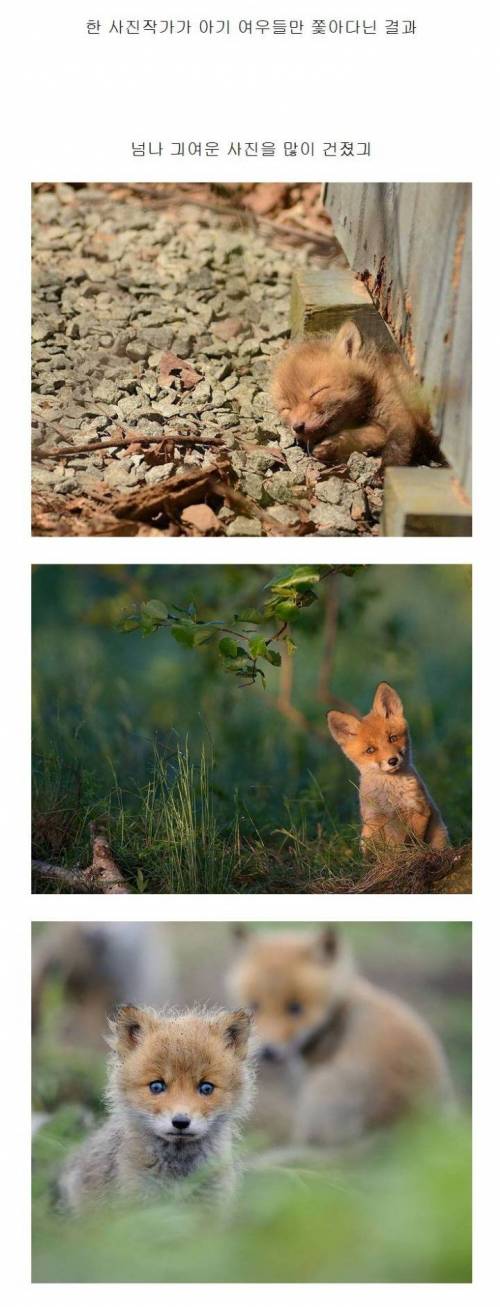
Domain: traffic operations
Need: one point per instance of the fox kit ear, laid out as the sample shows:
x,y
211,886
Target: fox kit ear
x,y
235,1029
326,944
239,933
386,701
348,340
128,1026
342,726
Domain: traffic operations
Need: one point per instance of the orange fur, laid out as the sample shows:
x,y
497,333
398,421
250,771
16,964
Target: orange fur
x,y
348,1058
395,804
340,395
183,1051
155,1137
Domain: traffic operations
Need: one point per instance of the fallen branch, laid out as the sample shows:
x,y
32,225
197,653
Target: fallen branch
x,y
103,876
176,493
103,867
47,871
135,438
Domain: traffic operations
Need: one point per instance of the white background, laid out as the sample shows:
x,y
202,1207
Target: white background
x,y
71,106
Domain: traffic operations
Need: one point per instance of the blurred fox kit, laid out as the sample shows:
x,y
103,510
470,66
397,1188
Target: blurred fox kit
x,y
178,1085
340,395
395,804
362,1059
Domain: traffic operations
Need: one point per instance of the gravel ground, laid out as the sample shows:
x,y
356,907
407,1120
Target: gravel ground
x,y
156,326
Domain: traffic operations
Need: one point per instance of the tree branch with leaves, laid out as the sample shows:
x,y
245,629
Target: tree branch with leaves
x,y
243,642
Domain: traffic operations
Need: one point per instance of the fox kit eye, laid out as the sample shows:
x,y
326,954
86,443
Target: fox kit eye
x,y
157,1086
370,749
294,1008
392,739
319,391
206,1087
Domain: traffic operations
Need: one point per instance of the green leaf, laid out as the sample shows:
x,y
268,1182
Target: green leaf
x,y
299,578
252,615
272,656
257,646
184,635
156,609
286,609
129,623
291,645
228,647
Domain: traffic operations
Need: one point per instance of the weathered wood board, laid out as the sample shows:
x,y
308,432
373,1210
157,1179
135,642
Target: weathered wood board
x,y
424,501
323,300
412,246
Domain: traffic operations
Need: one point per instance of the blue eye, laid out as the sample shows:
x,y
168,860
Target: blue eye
x,y
205,1087
294,1008
157,1086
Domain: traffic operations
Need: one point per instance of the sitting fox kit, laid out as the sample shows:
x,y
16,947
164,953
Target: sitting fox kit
x,y
177,1088
366,1059
340,395
395,804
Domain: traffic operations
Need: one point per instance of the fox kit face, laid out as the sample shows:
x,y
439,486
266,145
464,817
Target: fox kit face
x,y
289,982
181,1076
320,386
380,741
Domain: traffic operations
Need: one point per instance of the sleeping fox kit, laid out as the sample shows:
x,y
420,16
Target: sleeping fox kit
x,y
366,1059
395,804
340,395
178,1085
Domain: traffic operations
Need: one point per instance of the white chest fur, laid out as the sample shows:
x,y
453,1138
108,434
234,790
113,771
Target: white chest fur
x,y
381,793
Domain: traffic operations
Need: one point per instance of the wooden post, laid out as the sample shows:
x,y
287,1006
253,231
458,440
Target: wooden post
x,y
322,301
425,501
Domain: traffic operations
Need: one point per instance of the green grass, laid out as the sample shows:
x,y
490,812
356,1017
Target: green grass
x,y
259,801
398,1213
173,836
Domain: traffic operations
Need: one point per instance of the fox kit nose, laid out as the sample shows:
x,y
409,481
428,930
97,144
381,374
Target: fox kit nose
x,y
393,762
268,1053
181,1122
299,428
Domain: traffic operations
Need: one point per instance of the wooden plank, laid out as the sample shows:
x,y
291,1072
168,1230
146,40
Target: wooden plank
x,y
424,501
322,301
411,242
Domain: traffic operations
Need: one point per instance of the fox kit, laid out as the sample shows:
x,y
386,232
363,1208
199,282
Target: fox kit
x,y
395,805
340,395
96,965
178,1085
366,1058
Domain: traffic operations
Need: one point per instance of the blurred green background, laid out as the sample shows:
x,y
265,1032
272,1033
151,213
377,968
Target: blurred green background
x,y
398,1211
113,711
